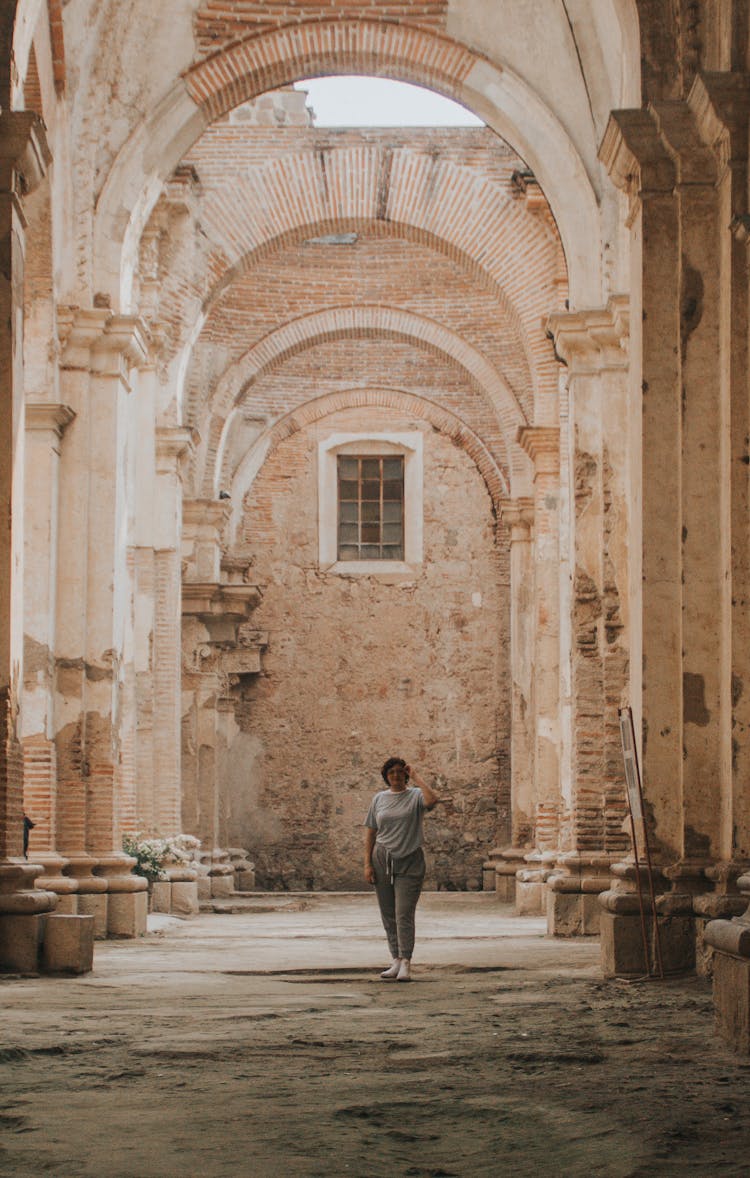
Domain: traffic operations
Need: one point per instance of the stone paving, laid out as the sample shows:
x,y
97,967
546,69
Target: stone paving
x,y
263,1043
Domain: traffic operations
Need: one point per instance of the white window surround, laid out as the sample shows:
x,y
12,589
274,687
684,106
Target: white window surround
x,y
370,445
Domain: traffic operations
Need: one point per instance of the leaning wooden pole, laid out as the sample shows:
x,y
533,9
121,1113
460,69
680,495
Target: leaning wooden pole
x,y
637,816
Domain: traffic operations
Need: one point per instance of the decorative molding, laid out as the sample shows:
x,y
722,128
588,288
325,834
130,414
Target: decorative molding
x,y
542,444
52,416
592,341
24,153
174,445
518,517
634,155
96,340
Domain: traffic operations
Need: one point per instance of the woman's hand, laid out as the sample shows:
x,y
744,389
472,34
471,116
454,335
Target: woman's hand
x,y
369,874
430,797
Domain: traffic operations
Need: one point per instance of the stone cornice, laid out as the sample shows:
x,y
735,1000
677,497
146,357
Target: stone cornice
x,y
542,444
678,126
209,600
24,151
173,445
52,416
595,340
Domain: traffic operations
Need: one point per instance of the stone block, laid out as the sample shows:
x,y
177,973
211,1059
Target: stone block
x,y
222,885
68,944
573,914
622,952
161,896
185,898
127,914
529,898
204,887
67,905
244,881
505,887
96,905
20,943
488,877
732,1000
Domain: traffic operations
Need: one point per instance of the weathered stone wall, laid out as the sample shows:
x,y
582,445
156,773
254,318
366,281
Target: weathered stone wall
x,y
359,668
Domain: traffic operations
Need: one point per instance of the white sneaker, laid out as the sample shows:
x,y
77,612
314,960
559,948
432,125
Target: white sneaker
x,y
393,970
404,974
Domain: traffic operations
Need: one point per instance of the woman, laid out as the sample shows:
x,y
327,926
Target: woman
x,y
394,860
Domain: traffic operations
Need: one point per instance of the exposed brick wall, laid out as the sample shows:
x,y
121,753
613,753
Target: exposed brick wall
x,y
218,24
357,669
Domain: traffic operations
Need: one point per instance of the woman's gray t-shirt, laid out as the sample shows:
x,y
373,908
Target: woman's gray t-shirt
x,y
397,818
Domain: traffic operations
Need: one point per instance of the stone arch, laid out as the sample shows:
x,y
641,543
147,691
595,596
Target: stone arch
x,y
315,410
214,86
353,322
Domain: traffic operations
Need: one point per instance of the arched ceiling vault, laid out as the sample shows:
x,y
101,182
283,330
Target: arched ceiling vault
x,y
472,215
214,86
222,414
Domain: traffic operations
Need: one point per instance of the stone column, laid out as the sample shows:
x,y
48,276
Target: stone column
x,y
542,444
518,517
173,446
45,425
24,157
593,345
95,617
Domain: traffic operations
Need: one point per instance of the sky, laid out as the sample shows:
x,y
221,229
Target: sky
x,y
379,102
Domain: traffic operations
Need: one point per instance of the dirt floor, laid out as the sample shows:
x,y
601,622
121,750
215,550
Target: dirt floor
x,y
263,1043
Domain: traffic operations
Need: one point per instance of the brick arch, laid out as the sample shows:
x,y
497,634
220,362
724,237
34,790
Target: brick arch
x,y
351,322
264,61
315,410
454,208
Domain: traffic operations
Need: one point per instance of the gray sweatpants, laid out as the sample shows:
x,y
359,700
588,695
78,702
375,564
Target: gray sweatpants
x,y
398,884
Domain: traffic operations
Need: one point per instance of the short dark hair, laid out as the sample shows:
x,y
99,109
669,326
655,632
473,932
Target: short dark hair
x,y
390,764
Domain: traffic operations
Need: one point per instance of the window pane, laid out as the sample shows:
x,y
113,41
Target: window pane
x,y
370,552
393,468
392,533
370,533
371,468
393,489
393,552
348,534
371,490
348,468
348,490
348,513
371,512
348,553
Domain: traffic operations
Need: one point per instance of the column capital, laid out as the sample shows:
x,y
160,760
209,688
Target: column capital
x,y
203,514
52,416
542,444
590,341
721,104
174,444
677,124
518,517
96,340
24,151
633,152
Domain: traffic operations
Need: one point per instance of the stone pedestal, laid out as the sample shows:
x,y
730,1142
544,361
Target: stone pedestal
x,y
20,943
68,945
730,942
508,863
622,952
244,869
95,905
573,891
127,914
530,883
22,906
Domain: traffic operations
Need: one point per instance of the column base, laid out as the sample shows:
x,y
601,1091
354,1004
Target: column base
x,y
95,904
732,1000
622,951
531,899
68,945
127,914
573,914
20,942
